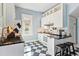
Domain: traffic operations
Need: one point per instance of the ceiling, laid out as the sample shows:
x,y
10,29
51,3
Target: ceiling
x,y
75,12
40,7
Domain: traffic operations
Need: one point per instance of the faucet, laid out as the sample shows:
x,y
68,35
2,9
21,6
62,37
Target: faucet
x,y
60,33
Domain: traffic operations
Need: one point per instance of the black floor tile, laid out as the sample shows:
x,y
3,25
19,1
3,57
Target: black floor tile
x,y
38,50
36,54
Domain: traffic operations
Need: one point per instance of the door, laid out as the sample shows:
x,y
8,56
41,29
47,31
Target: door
x,y
72,29
27,27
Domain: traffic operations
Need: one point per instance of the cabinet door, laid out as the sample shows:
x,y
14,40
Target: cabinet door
x,y
43,21
0,9
0,14
51,18
0,26
40,37
0,19
51,46
10,14
47,19
58,19
12,50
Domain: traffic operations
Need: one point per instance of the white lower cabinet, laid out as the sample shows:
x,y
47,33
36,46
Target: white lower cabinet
x,y
40,37
51,46
52,42
12,50
43,39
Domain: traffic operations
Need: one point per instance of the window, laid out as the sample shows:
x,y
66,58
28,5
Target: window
x,y
27,24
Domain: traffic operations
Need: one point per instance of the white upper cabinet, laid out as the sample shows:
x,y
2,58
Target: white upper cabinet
x,y
0,16
54,15
9,13
58,19
43,21
0,9
1,19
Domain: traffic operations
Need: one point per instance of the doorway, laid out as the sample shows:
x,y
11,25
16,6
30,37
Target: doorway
x,y
27,27
73,29
74,21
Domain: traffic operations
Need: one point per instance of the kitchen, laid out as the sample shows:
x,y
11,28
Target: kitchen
x,y
45,31
53,27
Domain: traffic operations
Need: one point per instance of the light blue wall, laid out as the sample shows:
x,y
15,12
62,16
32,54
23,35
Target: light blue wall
x,y
65,16
70,9
36,19
78,30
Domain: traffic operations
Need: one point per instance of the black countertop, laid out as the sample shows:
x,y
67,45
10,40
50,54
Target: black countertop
x,y
56,36
11,41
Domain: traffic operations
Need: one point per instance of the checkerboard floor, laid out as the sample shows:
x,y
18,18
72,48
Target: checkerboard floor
x,y
35,49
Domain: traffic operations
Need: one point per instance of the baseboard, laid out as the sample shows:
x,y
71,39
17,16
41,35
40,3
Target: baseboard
x,y
31,40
